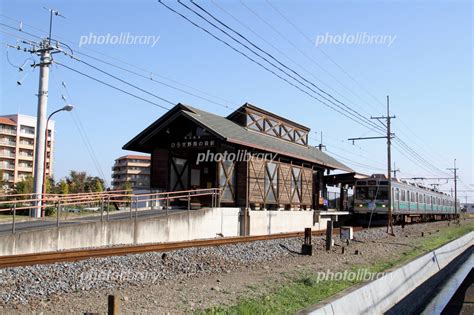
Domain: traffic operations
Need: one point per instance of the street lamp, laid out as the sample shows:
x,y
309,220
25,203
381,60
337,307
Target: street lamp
x,y
66,108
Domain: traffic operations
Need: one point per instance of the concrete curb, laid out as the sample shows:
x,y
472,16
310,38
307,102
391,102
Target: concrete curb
x,y
380,295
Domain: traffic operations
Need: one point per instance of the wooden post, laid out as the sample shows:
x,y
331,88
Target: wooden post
x,y
307,248
329,228
113,305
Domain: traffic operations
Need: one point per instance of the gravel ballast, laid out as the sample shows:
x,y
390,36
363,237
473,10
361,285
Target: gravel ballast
x,y
205,274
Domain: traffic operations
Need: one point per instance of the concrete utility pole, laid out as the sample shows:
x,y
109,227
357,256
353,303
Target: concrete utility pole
x,y
389,137
44,51
40,145
455,169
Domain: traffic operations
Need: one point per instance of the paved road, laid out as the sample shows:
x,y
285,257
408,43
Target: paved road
x,y
6,228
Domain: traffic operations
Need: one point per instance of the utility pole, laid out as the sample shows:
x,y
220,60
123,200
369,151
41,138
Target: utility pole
x,y
45,51
395,170
455,169
45,62
389,135
321,145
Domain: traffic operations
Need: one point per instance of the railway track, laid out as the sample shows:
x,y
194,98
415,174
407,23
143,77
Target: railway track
x,y
82,254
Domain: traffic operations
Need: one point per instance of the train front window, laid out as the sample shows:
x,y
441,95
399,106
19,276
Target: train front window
x,y
371,193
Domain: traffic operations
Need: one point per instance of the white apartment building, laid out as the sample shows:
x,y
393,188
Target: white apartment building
x,y
17,147
134,169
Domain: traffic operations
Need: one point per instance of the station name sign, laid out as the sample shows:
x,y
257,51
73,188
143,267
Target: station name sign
x,y
193,142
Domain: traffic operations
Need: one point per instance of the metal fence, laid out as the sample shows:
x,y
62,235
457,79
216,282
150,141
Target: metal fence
x,y
102,202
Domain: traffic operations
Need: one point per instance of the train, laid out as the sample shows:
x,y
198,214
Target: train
x,y
410,202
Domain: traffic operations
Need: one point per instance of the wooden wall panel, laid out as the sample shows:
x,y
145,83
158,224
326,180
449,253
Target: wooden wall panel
x,y
307,186
284,183
256,180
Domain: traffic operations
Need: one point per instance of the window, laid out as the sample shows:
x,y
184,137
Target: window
x,y
403,197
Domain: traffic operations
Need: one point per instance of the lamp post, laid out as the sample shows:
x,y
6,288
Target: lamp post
x,y
66,108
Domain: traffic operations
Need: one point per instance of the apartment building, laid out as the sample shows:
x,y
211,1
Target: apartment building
x,y
131,168
17,147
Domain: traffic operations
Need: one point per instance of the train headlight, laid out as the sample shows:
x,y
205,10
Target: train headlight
x,y
383,206
360,206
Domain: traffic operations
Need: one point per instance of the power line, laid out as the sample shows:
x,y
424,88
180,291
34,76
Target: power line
x,y
261,65
259,17
149,76
82,132
324,53
304,69
112,86
123,81
295,73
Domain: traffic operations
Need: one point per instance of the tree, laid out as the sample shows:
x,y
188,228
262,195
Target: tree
x,y
80,182
25,186
99,187
63,187
77,181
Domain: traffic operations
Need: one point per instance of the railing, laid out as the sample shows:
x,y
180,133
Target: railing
x,y
7,154
8,131
10,143
102,200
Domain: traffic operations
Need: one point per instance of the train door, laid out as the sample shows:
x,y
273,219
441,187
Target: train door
x,y
417,202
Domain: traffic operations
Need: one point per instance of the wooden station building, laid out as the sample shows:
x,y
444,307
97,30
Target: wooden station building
x,y
259,160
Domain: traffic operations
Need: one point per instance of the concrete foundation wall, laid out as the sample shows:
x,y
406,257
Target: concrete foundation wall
x,y
270,222
198,224
380,295
205,223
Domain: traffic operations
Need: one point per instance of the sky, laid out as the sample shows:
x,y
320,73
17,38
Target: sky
x,y
420,55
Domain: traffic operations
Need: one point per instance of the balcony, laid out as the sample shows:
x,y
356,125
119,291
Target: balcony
x,y
8,143
25,157
7,131
7,166
25,167
6,154
25,144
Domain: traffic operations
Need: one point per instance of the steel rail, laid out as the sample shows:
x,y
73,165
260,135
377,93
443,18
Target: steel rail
x,y
82,254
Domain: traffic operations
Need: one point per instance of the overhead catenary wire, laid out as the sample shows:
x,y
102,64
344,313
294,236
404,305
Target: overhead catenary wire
x,y
146,73
260,18
111,86
279,12
296,76
264,67
409,153
409,150
82,132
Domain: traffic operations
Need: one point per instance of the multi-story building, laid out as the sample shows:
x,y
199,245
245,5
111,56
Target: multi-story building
x,y
134,169
17,147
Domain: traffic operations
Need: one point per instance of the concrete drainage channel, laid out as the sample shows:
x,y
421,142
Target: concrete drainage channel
x,y
409,289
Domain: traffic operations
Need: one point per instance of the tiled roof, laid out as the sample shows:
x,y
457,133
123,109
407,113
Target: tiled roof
x,y
135,157
234,133
7,121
